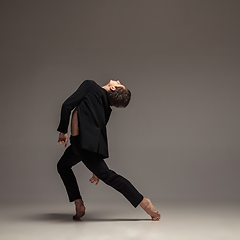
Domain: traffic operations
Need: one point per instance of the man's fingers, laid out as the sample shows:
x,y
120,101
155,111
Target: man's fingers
x,y
94,179
63,139
66,142
62,142
97,182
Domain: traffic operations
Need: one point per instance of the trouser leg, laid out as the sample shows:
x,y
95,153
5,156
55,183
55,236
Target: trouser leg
x,y
64,167
99,167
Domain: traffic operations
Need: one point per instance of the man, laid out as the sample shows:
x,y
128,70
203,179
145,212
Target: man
x,y
92,108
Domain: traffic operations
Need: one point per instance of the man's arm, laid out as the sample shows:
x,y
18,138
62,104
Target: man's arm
x,y
70,103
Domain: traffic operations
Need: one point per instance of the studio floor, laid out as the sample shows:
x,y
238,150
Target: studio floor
x,y
193,221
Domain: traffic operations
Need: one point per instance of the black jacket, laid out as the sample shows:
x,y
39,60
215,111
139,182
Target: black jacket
x,y
93,110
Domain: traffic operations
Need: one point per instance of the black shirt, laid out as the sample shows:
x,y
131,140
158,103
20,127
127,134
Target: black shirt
x,y
93,110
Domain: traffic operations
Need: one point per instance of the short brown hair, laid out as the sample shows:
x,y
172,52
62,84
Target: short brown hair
x,y
119,98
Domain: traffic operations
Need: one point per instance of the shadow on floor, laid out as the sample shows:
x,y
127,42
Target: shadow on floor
x,y
65,217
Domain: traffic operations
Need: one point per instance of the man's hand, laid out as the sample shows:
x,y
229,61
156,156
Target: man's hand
x,y
94,179
63,139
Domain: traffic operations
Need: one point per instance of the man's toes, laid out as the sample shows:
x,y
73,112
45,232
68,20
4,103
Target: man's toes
x,y
155,219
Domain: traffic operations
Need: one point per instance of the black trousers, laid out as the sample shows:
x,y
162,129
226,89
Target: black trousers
x,y
96,164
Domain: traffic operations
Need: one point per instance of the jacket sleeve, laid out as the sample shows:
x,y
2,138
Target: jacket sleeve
x,y
70,103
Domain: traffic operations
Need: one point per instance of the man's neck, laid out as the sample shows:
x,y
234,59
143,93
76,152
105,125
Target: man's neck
x,y
106,87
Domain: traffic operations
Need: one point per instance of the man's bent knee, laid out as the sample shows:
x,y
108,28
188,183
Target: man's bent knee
x,y
60,167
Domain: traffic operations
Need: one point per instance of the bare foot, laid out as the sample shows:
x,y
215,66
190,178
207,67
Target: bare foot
x,y
80,209
146,204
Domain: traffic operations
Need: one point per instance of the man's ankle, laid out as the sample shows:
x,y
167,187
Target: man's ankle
x,y
78,201
145,202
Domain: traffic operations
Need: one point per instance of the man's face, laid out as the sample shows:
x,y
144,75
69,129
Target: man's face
x,y
113,83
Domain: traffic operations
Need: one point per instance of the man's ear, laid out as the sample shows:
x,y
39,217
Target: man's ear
x,y
112,88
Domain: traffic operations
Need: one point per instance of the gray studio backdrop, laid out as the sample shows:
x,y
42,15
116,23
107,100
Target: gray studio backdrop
x,y
178,139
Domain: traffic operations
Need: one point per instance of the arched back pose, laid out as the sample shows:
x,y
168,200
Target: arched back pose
x,y
92,108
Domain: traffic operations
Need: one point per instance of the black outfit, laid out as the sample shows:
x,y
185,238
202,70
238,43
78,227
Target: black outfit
x,y
90,146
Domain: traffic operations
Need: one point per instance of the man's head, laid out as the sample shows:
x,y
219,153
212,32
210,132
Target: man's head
x,y
118,94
